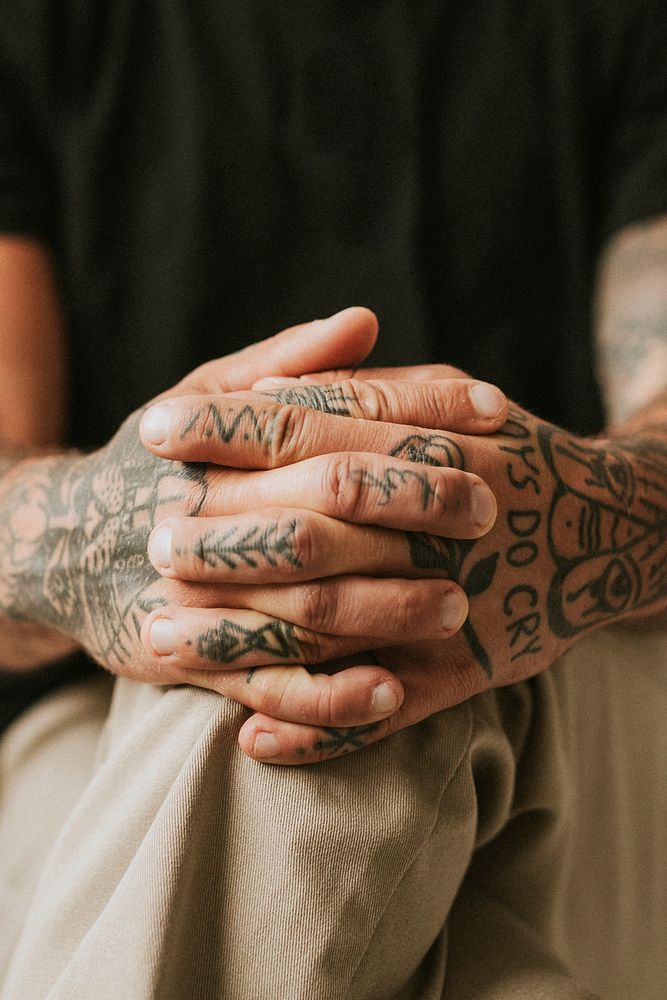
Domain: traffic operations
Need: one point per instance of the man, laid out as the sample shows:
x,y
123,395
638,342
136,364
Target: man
x,y
521,579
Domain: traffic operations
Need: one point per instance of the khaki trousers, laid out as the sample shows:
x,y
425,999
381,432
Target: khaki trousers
x,y
513,847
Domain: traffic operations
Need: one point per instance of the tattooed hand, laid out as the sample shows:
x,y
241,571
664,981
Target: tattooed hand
x,y
64,520
580,538
73,551
296,549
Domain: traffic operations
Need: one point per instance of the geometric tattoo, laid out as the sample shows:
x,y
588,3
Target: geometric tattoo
x,y
268,544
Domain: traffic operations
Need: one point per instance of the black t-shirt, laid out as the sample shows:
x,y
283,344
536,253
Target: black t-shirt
x,y
208,173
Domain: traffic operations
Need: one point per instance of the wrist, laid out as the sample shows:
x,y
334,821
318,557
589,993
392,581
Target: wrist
x,y
36,518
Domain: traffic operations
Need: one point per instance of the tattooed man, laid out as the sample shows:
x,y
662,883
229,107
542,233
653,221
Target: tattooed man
x,y
341,555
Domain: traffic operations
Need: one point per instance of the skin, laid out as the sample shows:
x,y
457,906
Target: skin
x,y
74,568
580,537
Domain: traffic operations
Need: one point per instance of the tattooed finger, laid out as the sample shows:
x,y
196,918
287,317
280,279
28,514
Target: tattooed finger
x,y
248,431
461,404
229,638
393,492
289,547
276,544
356,605
266,740
277,547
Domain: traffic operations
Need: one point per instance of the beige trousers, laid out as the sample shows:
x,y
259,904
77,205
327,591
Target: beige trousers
x,y
513,848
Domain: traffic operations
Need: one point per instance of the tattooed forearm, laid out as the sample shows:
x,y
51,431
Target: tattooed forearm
x,y
73,540
270,545
229,641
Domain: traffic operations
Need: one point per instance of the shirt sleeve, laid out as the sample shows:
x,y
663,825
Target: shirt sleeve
x,y
23,205
634,153
25,188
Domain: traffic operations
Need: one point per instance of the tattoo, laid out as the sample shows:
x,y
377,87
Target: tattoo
x,y
430,449
338,741
229,641
607,532
325,398
450,554
234,548
392,480
453,555
73,543
522,605
228,424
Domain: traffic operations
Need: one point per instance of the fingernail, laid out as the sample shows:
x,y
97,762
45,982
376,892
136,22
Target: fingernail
x,y
384,699
487,400
454,611
483,505
159,547
266,745
156,423
163,636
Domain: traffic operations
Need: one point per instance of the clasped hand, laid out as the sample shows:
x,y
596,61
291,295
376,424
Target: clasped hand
x,y
308,521
302,555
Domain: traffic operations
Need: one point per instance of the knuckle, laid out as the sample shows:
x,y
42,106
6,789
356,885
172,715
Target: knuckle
x,y
344,488
304,541
310,645
196,558
326,702
206,429
277,696
366,399
463,678
449,494
437,497
318,603
406,610
285,430
440,405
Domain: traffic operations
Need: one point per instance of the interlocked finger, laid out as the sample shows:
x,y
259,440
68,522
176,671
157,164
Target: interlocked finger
x,y
250,431
355,605
365,489
227,638
277,546
292,742
456,404
358,695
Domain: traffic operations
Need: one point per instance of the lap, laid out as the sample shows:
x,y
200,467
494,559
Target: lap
x,y
182,862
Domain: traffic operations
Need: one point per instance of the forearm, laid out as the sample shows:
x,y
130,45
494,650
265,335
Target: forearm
x,y
632,359
631,326
31,633
32,419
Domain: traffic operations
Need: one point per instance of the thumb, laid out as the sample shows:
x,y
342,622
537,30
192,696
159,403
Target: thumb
x,y
341,340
